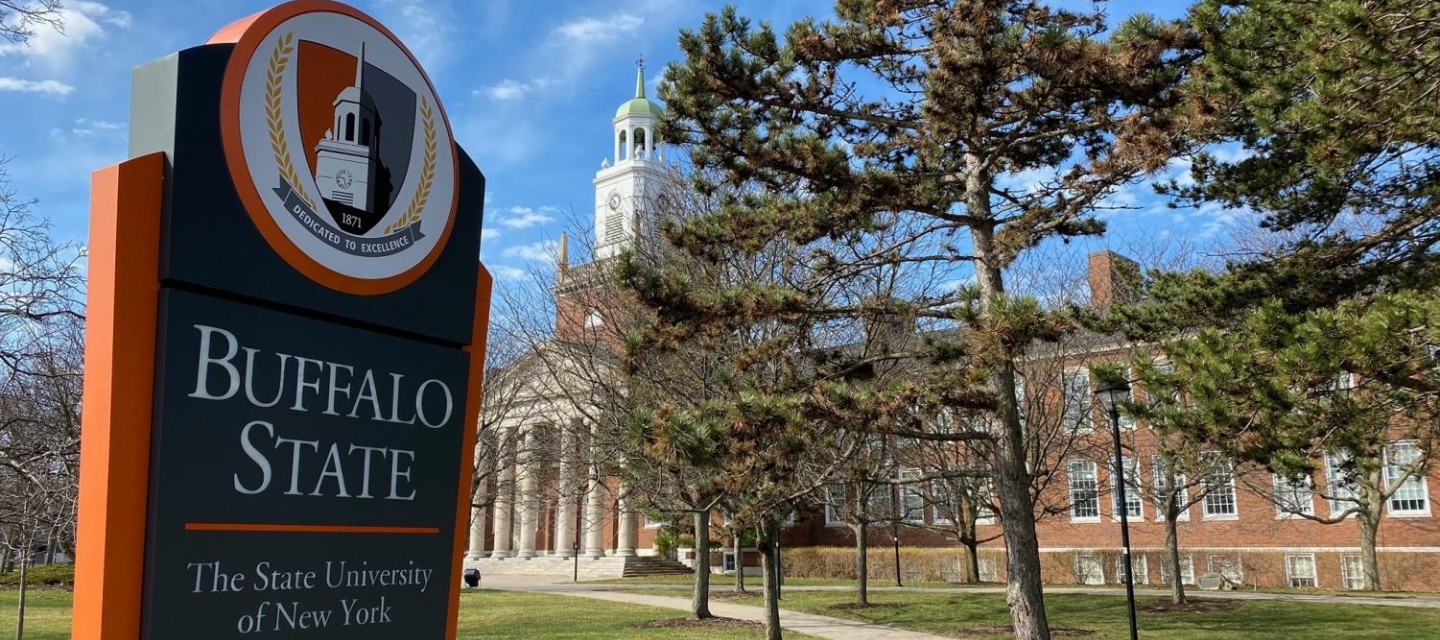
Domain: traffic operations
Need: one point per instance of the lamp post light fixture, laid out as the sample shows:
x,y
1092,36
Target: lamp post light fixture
x,y
1112,395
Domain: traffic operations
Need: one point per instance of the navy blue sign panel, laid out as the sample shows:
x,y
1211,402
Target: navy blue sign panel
x,y
304,482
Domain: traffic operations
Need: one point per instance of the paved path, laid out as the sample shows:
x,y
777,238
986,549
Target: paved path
x,y
809,624
1409,602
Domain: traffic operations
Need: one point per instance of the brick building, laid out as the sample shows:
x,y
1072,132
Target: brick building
x,y
1230,523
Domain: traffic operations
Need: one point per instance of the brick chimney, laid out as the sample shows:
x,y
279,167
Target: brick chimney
x,y
1106,273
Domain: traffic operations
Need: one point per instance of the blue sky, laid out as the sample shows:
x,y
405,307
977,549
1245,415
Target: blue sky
x,y
529,85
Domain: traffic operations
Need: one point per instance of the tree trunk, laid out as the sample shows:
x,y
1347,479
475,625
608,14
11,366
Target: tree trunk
x,y
972,562
1024,593
1172,554
1369,521
771,580
739,560
20,614
862,564
700,599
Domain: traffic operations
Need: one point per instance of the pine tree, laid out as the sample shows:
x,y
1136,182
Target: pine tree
x,y
899,142
1330,111
1350,390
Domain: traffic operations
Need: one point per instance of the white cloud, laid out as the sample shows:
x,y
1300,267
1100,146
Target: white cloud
x,y
507,272
542,251
489,234
47,87
509,89
596,30
526,217
422,26
84,22
88,127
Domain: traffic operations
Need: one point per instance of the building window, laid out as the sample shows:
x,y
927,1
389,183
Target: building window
x,y
1228,566
1352,571
1219,484
1293,496
593,319
1173,485
1340,486
946,505
727,561
1142,569
1411,496
989,569
1077,412
912,499
983,493
881,504
1088,568
652,523
834,505
1300,570
1084,499
1132,490
365,132
1127,420
1187,571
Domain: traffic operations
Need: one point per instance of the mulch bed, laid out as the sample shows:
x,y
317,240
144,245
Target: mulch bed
x,y
849,606
1055,632
731,595
708,623
1193,606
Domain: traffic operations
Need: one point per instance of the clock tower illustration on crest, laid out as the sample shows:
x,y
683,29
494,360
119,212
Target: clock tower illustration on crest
x,y
347,159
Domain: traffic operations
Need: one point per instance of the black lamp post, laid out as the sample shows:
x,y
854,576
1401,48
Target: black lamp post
x,y
1112,394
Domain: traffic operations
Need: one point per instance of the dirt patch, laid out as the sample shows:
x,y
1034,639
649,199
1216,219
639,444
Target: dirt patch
x,y
1055,632
731,595
1193,606
708,623
851,606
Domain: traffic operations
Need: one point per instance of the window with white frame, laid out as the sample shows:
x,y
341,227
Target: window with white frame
x,y
834,505
1294,496
651,522
727,561
983,493
1084,497
1127,420
1088,568
1340,486
1142,569
1219,483
1174,485
1076,396
1228,565
989,569
789,519
1410,497
1352,571
881,504
1300,570
1133,500
1187,571
946,505
1165,367
912,498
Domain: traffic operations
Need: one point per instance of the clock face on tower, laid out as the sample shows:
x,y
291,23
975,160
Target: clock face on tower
x,y
614,200
343,179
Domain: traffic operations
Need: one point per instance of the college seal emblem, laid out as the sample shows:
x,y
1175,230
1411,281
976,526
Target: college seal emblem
x,y
338,146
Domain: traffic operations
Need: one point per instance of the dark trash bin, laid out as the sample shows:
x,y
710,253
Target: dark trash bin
x,y
472,578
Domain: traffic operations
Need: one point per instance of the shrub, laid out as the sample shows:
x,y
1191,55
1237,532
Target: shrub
x,y
44,575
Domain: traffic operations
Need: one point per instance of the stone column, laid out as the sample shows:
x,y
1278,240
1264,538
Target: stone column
x,y
477,532
528,505
625,537
505,486
595,515
565,511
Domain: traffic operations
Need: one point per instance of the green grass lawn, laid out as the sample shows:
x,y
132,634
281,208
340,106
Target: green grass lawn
x,y
484,615
953,613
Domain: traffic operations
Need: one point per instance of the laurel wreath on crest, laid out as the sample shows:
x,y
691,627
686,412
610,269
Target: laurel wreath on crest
x,y
279,59
427,171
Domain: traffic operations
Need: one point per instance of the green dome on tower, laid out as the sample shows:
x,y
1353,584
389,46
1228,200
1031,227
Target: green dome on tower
x,y
640,105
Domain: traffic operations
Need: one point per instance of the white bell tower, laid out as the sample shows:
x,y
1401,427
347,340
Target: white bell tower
x,y
626,188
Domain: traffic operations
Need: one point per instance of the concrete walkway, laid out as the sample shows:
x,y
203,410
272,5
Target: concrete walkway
x,y
1402,601
808,624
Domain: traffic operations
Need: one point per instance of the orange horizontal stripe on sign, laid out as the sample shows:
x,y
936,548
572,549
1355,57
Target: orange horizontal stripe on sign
x,y
308,528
